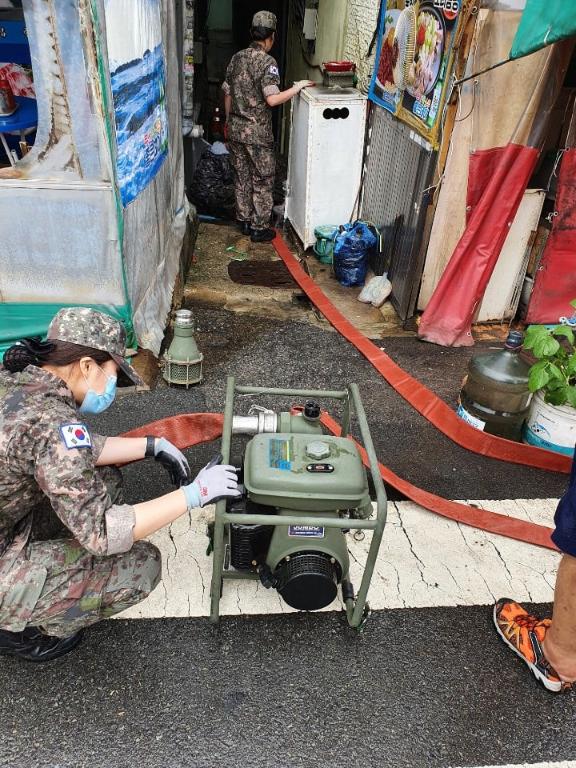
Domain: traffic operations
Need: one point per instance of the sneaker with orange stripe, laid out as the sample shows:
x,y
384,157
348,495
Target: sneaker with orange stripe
x,y
524,634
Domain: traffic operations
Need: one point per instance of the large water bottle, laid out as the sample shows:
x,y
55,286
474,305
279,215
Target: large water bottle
x,y
495,395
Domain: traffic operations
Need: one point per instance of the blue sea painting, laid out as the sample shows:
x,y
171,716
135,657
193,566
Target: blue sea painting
x,y
138,81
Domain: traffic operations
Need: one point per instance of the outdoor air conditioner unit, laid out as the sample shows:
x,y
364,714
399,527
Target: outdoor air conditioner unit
x,y
325,158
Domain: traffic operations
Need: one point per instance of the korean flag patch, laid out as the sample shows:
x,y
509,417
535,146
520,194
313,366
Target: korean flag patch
x,y
76,436
274,71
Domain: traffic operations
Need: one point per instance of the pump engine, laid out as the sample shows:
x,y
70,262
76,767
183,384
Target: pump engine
x,y
291,468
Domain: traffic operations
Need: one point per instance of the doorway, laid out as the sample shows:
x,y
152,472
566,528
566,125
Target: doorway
x,y
223,29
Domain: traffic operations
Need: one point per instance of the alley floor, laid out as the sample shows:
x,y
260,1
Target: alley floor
x,y
427,684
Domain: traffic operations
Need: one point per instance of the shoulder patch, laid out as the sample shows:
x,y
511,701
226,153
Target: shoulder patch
x,y
75,436
273,70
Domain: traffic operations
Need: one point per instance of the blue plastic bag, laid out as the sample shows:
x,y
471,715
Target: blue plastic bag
x,y
351,251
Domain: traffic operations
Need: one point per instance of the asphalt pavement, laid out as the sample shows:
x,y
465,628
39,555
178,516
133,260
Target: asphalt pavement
x,y
265,352
419,687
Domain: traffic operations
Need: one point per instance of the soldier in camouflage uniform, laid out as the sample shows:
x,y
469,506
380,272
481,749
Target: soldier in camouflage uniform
x,y
52,464
251,89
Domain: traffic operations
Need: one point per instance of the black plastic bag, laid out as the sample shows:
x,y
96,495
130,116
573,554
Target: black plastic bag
x,y
212,186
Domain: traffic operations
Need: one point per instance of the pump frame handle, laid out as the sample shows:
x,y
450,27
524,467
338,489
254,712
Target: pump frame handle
x,y
356,610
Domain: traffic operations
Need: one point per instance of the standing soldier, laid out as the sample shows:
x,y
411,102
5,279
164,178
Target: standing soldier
x,y
251,89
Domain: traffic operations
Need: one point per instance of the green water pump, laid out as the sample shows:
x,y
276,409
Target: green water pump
x,y
303,490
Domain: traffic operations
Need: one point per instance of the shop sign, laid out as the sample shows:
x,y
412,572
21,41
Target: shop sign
x,y
413,61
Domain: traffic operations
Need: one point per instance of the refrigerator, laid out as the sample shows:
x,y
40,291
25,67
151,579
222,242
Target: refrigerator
x,y
325,158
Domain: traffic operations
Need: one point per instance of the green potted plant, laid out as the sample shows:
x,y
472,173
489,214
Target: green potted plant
x,y
551,421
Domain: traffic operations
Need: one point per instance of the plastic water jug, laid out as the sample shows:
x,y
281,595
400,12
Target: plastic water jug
x,y
495,395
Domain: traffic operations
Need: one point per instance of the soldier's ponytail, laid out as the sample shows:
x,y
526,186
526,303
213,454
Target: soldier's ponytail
x,y
35,352
259,34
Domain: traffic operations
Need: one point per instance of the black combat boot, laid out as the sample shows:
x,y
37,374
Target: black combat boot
x,y
244,227
263,235
34,645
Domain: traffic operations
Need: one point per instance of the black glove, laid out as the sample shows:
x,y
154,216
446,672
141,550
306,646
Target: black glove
x,y
171,458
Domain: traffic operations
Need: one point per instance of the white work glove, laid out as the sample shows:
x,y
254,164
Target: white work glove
x,y
212,483
173,459
299,84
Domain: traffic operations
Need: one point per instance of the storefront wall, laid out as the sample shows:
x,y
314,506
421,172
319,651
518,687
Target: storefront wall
x,y
330,41
345,31
487,117
361,23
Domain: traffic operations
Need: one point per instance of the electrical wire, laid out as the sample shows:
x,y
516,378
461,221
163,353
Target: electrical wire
x,y
474,87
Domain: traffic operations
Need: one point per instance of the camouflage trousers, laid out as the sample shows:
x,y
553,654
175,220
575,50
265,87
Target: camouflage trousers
x,y
254,171
80,588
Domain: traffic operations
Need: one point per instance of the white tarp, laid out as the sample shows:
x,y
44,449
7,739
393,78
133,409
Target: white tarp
x,y
67,239
154,223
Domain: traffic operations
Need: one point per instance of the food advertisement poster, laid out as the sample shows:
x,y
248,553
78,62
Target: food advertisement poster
x,y
137,75
412,62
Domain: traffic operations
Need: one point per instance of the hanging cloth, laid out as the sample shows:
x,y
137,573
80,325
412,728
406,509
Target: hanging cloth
x,y
497,177
543,23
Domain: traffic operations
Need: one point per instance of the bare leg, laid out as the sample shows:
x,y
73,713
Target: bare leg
x,y
560,642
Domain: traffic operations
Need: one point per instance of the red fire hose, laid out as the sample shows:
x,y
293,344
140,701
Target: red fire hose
x,y
435,410
186,430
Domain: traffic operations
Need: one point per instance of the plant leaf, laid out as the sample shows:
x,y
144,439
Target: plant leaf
x,y
564,330
546,346
573,303
555,384
538,376
533,333
571,364
557,397
571,395
555,372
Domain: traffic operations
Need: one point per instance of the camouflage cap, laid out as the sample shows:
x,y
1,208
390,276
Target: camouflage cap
x,y
264,19
91,328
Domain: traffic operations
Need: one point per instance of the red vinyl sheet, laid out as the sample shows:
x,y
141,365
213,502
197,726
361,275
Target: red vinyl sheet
x,y
482,165
555,283
435,410
499,177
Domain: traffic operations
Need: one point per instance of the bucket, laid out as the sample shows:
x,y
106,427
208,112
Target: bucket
x,y
324,245
550,426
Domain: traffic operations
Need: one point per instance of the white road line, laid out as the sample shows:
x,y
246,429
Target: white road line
x,y
424,561
562,764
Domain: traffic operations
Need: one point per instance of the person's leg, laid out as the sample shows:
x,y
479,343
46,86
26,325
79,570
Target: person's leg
x,y
81,590
263,169
559,644
547,646
240,161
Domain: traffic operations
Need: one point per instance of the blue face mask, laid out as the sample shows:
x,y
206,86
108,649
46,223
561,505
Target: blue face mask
x,y
95,403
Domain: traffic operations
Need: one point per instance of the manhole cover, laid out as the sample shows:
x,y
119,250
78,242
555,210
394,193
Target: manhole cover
x,y
269,274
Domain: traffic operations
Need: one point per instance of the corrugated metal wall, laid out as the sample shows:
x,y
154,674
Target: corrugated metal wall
x,y
399,168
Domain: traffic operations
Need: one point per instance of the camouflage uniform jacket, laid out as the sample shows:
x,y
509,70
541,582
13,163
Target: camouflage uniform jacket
x,y
252,75
47,451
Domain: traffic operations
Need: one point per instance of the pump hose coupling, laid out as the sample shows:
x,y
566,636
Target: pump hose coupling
x,y
259,420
